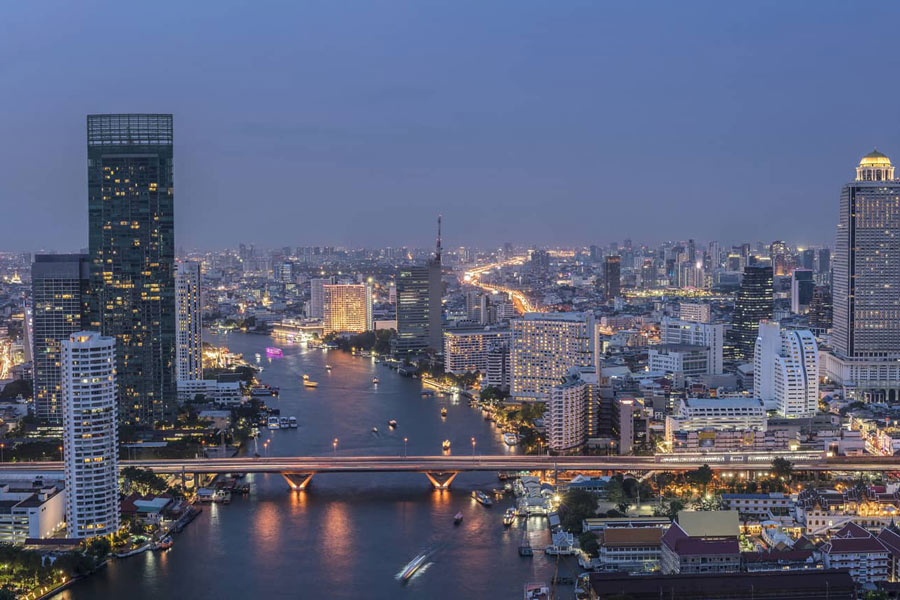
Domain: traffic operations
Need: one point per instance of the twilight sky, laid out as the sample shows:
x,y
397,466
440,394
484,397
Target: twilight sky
x,y
356,123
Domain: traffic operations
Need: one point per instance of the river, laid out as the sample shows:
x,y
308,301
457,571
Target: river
x,y
348,535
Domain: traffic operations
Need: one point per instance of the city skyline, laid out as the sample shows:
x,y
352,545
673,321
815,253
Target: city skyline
x,y
397,137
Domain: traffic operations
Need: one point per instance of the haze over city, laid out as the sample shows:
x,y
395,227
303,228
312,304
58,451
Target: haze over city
x,y
550,123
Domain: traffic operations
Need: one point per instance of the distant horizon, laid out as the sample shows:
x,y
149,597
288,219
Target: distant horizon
x,y
548,124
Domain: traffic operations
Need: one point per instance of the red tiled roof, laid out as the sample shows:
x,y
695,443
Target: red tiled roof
x,y
854,545
890,540
852,530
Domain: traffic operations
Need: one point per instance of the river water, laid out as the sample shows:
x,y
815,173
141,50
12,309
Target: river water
x,y
348,535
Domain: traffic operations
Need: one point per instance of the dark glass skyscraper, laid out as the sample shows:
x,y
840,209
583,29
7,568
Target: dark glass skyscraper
x,y
612,277
752,304
419,318
59,292
132,250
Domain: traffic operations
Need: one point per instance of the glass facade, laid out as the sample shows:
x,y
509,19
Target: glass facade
x,y
132,251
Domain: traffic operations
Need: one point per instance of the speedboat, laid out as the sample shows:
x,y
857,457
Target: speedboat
x,y
444,412
392,423
328,367
375,380
457,518
292,422
273,423
410,569
446,445
284,423
510,439
374,430
309,382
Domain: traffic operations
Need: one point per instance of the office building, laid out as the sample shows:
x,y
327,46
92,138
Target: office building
x,y
802,286
681,360
188,323
566,416
695,312
131,239
820,308
544,346
59,287
697,333
419,312
31,510
612,277
716,414
467,350
348,308
866,314
625,409
752,304
90,434
786,370
317,296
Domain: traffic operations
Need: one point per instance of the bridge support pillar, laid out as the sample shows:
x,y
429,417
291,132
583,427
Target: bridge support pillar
x,y
441,479
298,481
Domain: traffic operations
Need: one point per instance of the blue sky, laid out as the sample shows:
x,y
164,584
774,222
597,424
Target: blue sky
x,y
356,123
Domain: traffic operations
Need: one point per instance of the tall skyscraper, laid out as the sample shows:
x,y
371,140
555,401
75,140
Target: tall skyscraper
x,y
348,308
612,277
189,328
131,238
752,304
802,286
90,434
820,308
59,288
543,347
866,280
419,291
786,370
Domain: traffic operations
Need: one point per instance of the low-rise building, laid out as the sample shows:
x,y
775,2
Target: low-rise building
x,y
760,506
855,549
226,393
701,542
629,549
31,510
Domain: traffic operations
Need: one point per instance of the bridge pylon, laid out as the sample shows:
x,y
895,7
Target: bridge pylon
x,y
441,479
298,481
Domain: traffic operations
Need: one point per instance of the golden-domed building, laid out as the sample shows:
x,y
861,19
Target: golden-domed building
x,y
875,166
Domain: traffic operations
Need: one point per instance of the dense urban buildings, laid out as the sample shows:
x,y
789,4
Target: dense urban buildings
x,y
59,287
188,322
90,438
866,312
131,240
468,350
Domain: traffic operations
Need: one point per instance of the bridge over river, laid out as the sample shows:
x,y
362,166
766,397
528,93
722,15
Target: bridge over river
x,y
441,470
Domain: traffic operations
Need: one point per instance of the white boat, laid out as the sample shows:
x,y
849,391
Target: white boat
x,y
537,591
374,430
510,439
292,422
392,423
328,367
273,423
284,423
410,569
482,498
375,380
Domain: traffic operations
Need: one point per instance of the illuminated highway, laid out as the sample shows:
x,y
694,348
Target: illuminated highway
x,y
520,300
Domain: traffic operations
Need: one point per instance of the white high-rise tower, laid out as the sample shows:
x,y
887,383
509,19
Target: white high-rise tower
x,y
188,323
90,437
786,369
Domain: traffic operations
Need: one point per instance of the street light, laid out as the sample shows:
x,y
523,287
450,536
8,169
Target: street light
x,y
2,446
334,447
404,446
266,448
60,453
473,447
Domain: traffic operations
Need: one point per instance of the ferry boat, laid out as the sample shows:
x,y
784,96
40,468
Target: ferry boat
x,y
509,517
410,569
444,412
392,423
292,422
309,382
263,390
284,423
273,423
482,498
446,445
457,518
510,439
